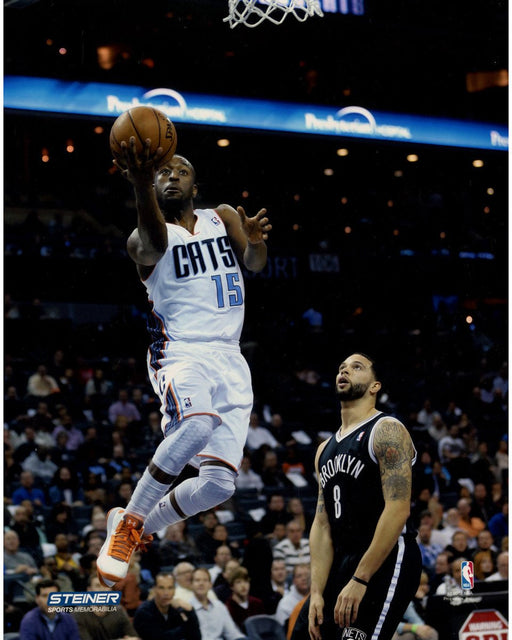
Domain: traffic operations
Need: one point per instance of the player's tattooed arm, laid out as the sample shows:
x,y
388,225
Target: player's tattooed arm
x,y
320,505
394,451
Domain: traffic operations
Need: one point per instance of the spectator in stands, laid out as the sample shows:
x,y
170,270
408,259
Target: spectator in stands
x,y
221,586
280,587
183,573
240,604
294,549
41,624
501,459
485,542
177,545
429,550
452,413
14,407
220,559
60,521
66,487
276,512
301,582
459,547
441,479
295,508
40,464
451,586
48,569
272,473
204,540
437,430
42,423
27,443
482,469
164,616
97,395
123,407
427,414
441,570
60,454
451,450
482,505
129,586
66,563
277,535
498,524
221,535
258,436
502,566
248,478
28,534
16,561
484,565
104,623
27,491
76,437
93,544
471,525
97,524
214,619
40,384
450,523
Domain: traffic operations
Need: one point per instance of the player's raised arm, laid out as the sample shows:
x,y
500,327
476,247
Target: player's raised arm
x,y
148,242
322,553
247,235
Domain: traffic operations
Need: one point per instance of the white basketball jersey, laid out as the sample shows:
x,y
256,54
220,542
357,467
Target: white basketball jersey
x,y
196,288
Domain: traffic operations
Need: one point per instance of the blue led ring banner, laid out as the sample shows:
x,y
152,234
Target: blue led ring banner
x,y
97,99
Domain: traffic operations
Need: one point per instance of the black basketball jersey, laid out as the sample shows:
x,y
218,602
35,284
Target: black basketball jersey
x,y
350,478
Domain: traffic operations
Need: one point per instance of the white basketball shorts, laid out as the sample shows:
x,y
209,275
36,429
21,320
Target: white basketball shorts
x,y
205,378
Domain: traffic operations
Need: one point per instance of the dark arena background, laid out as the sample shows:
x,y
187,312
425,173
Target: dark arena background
x,y
397,247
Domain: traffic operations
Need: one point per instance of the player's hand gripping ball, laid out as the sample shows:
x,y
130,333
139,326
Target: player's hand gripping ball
x,y
143,123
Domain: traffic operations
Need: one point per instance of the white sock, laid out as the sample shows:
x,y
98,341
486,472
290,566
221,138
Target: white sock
x,y
213,486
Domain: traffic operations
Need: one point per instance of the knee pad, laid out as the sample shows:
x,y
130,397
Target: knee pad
x,y
213,486
184,443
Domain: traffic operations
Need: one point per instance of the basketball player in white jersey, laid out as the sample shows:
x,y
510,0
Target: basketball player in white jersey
x,y
189,262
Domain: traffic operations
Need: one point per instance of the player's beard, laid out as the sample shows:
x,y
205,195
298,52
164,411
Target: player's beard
x,y
354,392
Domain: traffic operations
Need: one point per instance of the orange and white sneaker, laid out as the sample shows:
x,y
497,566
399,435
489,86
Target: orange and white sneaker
x,y
124,536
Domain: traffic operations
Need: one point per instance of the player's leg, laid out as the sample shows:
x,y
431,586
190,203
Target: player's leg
x,y
389,593
221,455
214,485
188,422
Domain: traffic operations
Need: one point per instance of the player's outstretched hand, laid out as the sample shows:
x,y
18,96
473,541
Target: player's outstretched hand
x,y
138,167
256,229
316,616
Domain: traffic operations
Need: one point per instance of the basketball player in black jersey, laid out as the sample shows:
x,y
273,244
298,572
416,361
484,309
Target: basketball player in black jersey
x,y
365,563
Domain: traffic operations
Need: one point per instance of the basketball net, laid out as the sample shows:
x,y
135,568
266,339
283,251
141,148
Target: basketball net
x,y
251,13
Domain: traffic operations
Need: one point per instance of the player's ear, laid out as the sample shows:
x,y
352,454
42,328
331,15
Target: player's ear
x,y
375,387
195,189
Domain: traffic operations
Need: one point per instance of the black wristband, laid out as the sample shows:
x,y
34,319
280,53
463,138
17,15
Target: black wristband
x,y
356,579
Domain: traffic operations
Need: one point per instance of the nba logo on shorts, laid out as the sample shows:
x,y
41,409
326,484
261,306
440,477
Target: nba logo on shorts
x,y
187,402
466,575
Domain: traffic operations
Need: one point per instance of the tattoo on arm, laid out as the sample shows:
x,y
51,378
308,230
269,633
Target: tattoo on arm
x,y
320,505
394,451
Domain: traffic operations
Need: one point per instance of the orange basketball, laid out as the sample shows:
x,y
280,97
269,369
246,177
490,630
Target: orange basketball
x,y
143,123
